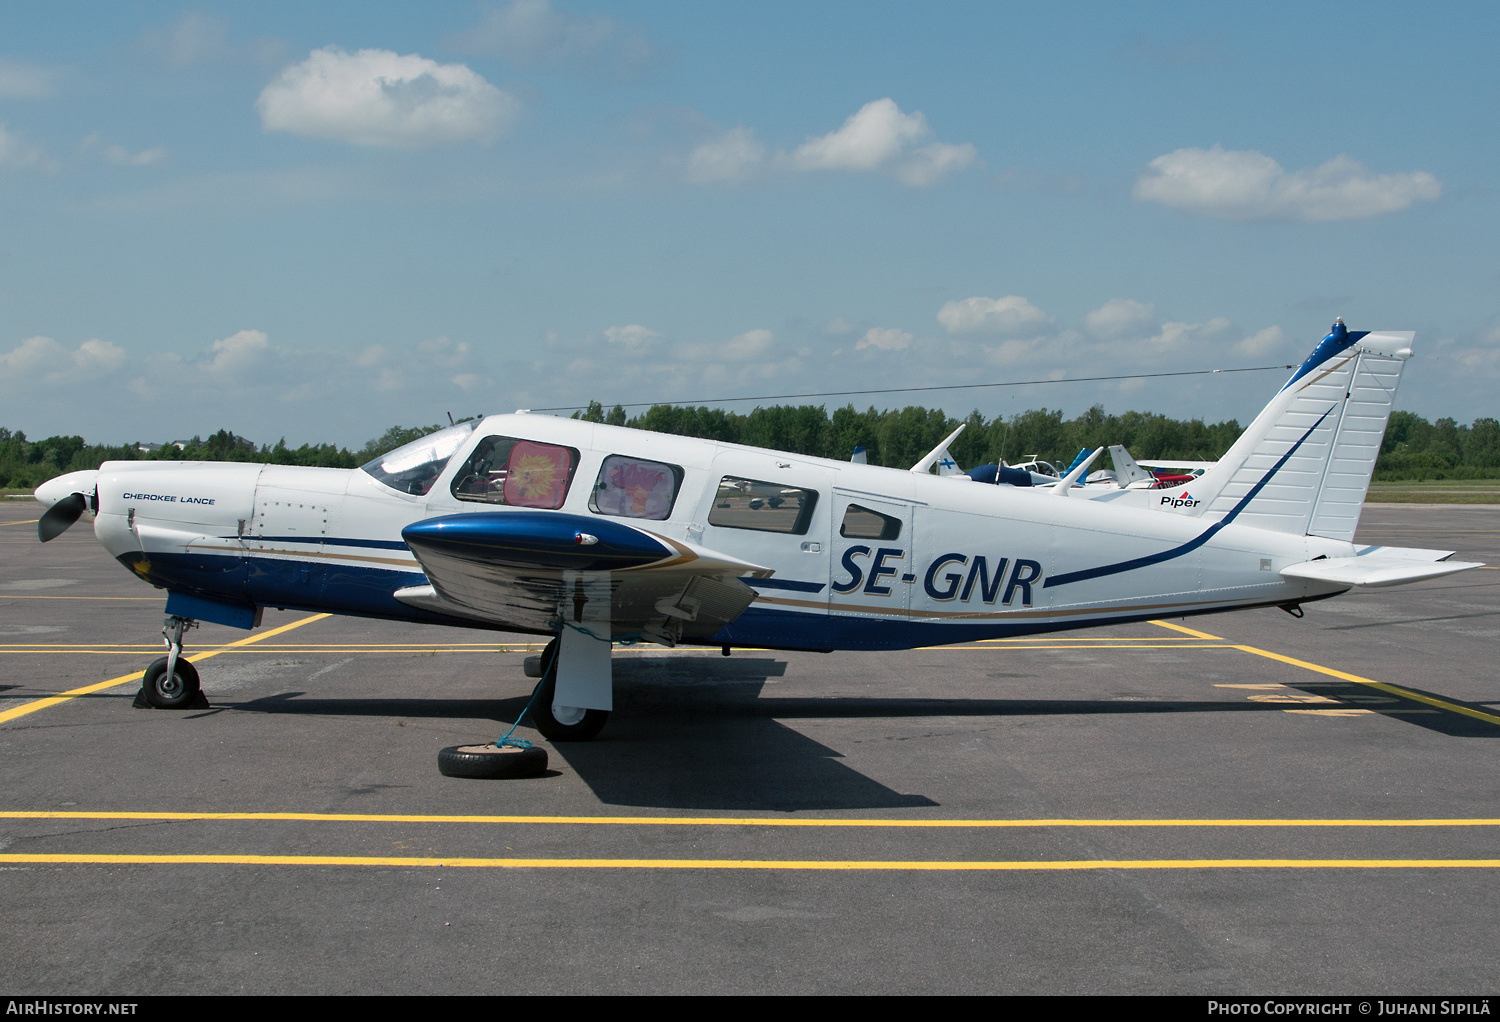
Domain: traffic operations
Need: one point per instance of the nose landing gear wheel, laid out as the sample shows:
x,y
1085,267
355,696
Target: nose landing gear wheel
x,y
170,693
577,725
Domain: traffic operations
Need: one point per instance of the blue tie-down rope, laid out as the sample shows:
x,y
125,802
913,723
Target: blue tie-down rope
x,y
521,743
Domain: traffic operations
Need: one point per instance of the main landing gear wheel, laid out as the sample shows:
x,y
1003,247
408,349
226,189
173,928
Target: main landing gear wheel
x,y
580,725
491,761
170,693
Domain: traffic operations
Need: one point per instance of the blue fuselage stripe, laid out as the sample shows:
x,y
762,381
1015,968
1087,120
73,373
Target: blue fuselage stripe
x,y
786,583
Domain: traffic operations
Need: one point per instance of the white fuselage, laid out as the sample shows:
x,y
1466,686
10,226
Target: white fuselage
x,y
966,560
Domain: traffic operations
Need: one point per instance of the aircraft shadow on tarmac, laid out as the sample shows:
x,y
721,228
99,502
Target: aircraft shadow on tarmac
x,y
700,733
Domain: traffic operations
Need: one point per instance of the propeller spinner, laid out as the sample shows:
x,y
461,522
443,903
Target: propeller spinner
x,y
69,497
59,516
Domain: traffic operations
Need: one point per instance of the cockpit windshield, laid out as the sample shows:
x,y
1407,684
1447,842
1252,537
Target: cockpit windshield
x,y
414,467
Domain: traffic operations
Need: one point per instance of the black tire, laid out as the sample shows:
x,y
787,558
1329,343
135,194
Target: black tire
x,y
489,762
173,693
585,730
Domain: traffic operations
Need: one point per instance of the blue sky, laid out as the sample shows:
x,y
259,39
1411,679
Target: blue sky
x,y
317,221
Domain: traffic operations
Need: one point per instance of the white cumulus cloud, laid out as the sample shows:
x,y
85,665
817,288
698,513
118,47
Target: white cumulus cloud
x,y
238,353
1179,338
123,157
381,98
1263,342
1009,315
928,166
878,136
890,339
1249,185
42,358
733,156
1120,316
634,338
751,344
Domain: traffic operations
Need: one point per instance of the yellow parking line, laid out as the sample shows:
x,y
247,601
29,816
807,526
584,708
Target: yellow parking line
x,y
1382,686
29,521
1186,631
1161,645
734,821
764,864
100,686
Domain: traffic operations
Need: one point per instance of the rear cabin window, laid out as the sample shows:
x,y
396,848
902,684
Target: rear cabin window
x,y
520,473
633,488
862,523
762,506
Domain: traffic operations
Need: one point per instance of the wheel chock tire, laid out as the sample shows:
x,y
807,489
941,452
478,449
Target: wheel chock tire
x,y
491,761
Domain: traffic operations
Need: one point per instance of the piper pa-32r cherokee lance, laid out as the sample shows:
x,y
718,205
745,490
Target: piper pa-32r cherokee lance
x,y
596,534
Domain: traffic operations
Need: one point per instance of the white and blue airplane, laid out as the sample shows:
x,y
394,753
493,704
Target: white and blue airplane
x,y
596,534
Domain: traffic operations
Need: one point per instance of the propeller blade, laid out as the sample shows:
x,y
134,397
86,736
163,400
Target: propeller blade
x,y
61,515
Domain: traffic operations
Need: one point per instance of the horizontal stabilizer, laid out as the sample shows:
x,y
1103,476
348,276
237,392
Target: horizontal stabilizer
x,y
1378,566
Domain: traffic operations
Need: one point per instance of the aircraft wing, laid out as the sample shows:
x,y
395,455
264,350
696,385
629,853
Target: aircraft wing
x,y
528,569
1377,566
1186,466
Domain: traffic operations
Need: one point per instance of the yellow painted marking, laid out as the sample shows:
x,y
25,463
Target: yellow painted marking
x,y
100,686
766,864
1182,644
153,599
735,821
1186,631
28,521
1147,638
1441,704
1342,712
1288,697
1396,690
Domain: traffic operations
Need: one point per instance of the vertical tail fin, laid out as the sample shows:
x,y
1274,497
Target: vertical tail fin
x,y
1303,466
1126,470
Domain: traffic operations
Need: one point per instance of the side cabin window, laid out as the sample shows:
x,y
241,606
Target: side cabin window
x,y
634,488
865,523
521,473
762,506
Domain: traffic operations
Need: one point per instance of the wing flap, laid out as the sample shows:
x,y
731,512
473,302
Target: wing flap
x,y
1377,566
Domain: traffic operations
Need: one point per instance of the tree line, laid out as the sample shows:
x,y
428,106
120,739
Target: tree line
x,y
901,437
1414,448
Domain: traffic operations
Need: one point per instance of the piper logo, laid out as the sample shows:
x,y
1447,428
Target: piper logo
x,y
1186,500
